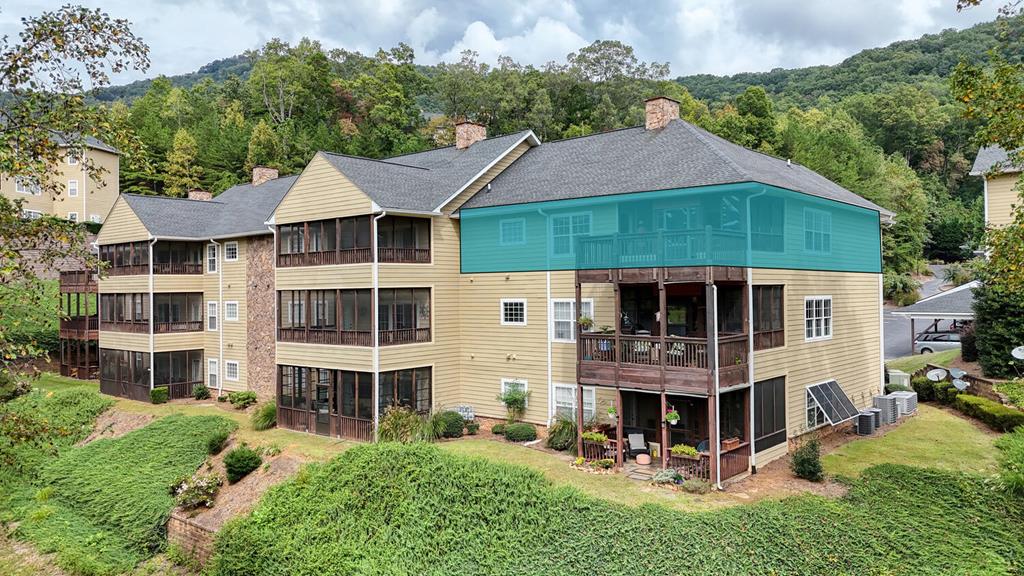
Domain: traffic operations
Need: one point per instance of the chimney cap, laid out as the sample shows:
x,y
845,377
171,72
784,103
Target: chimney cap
x,y
661,98
467,121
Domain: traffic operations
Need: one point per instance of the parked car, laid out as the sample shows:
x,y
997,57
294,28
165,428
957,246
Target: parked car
x,y
928,342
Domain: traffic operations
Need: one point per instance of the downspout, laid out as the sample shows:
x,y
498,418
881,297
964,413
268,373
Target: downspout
x,y
277,317
375,327
750,319
717,437
220,320
881,340
550,317
152,359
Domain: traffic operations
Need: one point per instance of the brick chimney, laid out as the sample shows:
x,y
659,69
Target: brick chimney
x,y
467,133
261,174
660,110
199,195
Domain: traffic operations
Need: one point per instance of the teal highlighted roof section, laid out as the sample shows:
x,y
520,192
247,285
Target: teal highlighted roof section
x,y
749,224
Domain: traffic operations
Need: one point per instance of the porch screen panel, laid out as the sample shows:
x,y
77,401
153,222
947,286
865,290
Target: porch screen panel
x,y
769,413
748,225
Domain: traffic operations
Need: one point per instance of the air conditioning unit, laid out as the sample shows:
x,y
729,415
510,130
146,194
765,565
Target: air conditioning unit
x,y
865,423
906,401
877,413
889,411
899,377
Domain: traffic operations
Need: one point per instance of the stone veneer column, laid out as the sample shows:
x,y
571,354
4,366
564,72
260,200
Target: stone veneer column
x,y
260,320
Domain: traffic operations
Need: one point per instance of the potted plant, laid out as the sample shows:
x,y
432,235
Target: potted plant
x,y
585,322
672,417
730,443
613,414
684,451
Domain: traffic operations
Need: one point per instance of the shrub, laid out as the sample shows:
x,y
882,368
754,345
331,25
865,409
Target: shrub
x,y
999,321
264,417
12,386
200,392
498,429
514,400
923,387
1013,390
158,395
604,464
597,437
452,423
995,415
239,462
562,434
684,450
216,442
901,289
890,388
806,461
402,424
197,491
696,486
968,343
222,398
944,391
665,476
956,274
472,427
1011,461
520,432
242,400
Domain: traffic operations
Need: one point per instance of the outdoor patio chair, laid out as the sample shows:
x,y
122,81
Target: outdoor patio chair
x,y
637,445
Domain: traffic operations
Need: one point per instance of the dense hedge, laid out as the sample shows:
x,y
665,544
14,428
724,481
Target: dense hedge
x,y
520,432
1011,461
993,414
103,507
417,509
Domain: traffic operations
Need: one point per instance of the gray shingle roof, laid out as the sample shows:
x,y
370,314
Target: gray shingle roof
x,y
238,211
957,301
91,143
635,160
422,180
992,158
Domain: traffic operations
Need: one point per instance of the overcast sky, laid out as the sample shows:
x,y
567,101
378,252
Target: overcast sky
x,y
694,36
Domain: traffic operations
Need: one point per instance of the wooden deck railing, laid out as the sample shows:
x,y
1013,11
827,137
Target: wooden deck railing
x,y
129,270
404,336
77,281
177,268
355,428
665,248
78,327
405,255
346,256
185,326
598,451
735,461
334,337
133,327
680,352
688,467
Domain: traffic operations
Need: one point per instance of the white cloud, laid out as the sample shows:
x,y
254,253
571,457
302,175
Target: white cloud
x,y
547,40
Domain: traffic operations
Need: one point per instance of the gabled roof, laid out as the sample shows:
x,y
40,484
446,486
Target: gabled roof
x,y
89,142
993,159
423,181
680,155
956,303
238,211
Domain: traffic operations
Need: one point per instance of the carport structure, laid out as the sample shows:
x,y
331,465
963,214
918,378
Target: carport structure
x,y
956,305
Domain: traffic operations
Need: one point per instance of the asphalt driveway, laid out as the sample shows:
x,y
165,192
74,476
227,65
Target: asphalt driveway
x,y
897,329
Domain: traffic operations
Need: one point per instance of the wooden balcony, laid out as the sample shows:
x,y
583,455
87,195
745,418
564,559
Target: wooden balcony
x,y
129,270
641,362
333,337
405,255
350,256
80,327
177,268
404,336
77,281
171,327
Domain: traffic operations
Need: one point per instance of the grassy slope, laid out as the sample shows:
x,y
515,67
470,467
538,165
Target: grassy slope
x,y
911,364
934,438
420,509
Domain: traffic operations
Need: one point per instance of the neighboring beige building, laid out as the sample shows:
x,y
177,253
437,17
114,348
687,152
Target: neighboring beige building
x,y
371,267
80,198
1001,177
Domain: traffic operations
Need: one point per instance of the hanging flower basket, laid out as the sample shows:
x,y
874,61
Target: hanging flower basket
x,y
672,417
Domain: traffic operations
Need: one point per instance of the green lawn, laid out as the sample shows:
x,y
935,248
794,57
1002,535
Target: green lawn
x,y
304,446
911,364
934,438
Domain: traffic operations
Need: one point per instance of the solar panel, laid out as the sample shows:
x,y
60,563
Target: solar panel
x,y
833,402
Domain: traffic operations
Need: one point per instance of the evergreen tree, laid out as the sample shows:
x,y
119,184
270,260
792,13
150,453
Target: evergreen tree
x,y
182,171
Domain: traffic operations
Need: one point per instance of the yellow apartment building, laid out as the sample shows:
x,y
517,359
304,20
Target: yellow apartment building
x,y
1001,177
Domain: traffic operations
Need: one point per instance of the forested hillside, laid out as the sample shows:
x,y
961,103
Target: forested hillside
x,y
882,123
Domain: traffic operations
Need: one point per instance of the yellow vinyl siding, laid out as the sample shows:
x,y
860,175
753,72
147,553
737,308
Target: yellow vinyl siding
x,y
321,191
178,282
324,277
122,225
486,177
177,341
124,341
1001,198
852,356
358,358
235,330
125,284
94,198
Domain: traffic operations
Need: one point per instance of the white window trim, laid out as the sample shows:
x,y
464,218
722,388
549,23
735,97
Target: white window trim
x,y
226,251
212,305
827,216
831,317
72,160
572,245
212,369
506,381
501,231
501,311
214,260
75,182
572,387
227,370
96,218
808,398
575,319
31,214
73,216
227,306
29,186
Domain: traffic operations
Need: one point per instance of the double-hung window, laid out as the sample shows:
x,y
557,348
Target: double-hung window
x,y
512,231
72,188
211,316
25,185
565,228
231,252
563,318
817,231
565,402
514,384
817,317
212,373
73,216
231,311
513,312
211,258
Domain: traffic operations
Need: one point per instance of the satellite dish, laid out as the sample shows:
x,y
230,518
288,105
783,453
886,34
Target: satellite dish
x,y
960,384
957,373
936,375
1018,352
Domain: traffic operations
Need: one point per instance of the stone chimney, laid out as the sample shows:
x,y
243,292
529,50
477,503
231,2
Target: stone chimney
x,y
199,195
660,110
467,133
261,174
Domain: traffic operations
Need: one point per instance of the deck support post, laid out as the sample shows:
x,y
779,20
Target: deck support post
x,y
913,336
664,430
618,428
579,356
